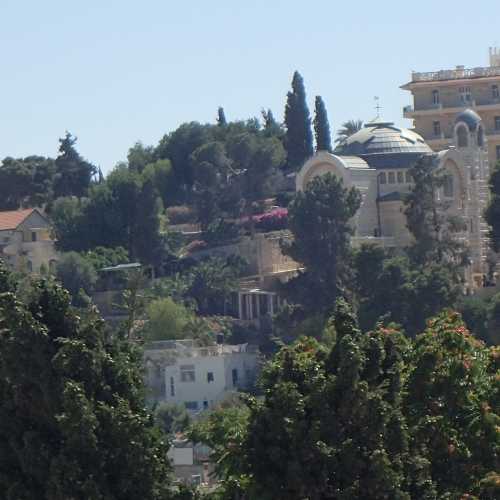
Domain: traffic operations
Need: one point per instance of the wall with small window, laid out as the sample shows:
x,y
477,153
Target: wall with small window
x,y
200,381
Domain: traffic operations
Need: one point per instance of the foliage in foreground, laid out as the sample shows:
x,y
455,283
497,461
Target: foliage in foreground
x,y
378,416
72,419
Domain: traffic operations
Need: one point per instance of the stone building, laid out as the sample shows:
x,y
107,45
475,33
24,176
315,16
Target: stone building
x,y
377,161
439,95
25,240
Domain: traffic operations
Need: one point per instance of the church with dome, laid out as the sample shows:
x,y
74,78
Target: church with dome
x,y
377,161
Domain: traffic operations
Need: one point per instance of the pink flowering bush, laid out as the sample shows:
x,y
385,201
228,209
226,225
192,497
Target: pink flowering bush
x,y
274,220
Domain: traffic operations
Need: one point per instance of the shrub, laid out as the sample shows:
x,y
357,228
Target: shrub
x,y
181,214
275,220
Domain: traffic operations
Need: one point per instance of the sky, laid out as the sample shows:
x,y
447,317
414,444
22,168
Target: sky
x,y
114,72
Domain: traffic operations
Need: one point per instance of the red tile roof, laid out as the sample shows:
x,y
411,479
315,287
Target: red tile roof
x,y
11,219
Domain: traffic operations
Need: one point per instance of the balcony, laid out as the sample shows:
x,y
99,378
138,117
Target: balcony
x,y
410,111
459,73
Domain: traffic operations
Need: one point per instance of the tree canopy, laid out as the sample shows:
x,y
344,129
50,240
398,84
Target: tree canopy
x,y
72,418
320,222
376,416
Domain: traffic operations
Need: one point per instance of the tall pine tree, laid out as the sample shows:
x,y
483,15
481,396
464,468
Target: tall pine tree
x,y
299,140
321,126
221,117
73,173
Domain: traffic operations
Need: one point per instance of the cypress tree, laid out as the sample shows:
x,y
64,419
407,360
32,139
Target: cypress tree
x,y
299,141
221,117
321,126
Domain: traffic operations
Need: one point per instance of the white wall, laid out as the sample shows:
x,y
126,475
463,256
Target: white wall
x,y
200,390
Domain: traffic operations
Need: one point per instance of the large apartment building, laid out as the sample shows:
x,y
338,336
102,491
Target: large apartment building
x,y
439,95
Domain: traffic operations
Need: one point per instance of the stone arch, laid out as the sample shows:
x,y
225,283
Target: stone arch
x,y
320,164
449,166
462,135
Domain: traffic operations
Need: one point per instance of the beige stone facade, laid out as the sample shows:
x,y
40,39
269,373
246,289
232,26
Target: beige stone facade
x,y
382,174
26,242
438,96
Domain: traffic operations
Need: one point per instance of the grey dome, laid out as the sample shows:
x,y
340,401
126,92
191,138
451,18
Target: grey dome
x,y
383,138
470,118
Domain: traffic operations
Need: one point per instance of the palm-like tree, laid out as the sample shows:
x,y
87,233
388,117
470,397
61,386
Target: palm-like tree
x,y
347,129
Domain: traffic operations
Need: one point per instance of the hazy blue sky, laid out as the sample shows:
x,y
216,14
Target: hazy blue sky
x,y
117,71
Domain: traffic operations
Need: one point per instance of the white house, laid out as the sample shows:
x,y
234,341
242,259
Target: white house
x,y
198,377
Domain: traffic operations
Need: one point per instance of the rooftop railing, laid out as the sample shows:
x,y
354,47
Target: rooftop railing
x,y
455,74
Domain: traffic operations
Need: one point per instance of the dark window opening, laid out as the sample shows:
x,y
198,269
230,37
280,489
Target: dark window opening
x,y
234,374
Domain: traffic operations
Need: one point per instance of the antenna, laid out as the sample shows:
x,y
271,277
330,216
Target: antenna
x,y
377,106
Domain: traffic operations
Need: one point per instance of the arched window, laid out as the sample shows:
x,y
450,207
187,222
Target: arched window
x,y
448,191
435,96
462,136
480,137
29,265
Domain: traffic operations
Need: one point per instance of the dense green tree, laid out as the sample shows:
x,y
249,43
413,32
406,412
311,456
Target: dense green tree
x,y
211,167
26,182
171,418
330,425
492,214
125,211
299,140
453,407
224,430
77,275
320,222
147,244
139,156
347,129
271,127
377,416
321,126
73,173
433,230
72,417
166,320
68,222
101,257
211,283
161,175
395,289
178,147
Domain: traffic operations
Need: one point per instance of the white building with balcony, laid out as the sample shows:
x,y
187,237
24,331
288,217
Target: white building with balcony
x,y
378,159
438,96
198,377
25,240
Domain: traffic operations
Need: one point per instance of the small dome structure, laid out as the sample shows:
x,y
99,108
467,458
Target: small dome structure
x,y
470,118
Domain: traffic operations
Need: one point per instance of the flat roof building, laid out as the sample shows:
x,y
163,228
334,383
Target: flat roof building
x,y
438,96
